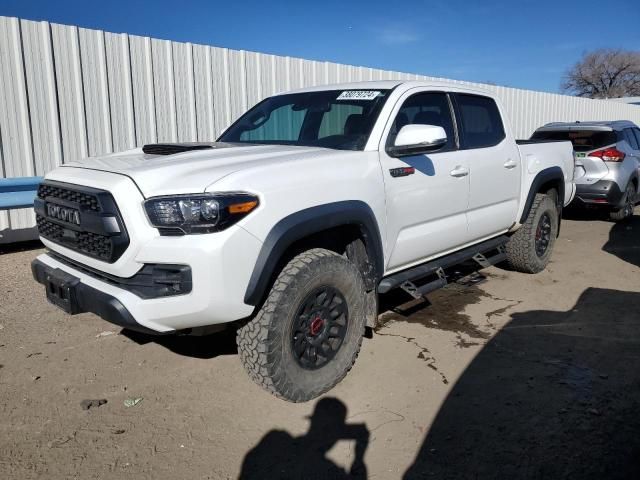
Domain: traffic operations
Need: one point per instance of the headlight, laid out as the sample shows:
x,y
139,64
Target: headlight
x,y
203,213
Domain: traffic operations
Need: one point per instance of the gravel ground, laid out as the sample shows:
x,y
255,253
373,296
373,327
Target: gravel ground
x,y
521,376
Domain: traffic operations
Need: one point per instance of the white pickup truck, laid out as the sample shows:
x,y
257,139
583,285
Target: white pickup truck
x,y
306,208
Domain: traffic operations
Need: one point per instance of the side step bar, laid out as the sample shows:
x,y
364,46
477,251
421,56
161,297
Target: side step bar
x,y
405,278
418,292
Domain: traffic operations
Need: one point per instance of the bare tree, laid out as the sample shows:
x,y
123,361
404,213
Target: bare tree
x,y
605,73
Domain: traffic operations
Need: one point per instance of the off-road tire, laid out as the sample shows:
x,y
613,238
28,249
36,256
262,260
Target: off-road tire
x,y
626,211
521,248
264,342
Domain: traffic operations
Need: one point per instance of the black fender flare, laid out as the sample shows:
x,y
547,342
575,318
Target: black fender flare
x,y
548,175
307,222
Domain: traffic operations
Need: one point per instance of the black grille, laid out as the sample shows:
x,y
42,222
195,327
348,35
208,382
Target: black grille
x,y
101,232
85,199
94,245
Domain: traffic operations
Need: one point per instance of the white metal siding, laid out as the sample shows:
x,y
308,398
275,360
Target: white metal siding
x,y
144,108
68,92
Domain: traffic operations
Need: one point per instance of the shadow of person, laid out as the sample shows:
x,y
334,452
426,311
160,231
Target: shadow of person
x,y
282,456
553,395
624,241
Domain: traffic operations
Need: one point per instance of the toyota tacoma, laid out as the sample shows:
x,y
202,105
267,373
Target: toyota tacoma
x,y
293,222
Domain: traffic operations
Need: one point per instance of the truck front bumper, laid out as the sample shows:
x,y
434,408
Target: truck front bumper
x,y
218,265
69,293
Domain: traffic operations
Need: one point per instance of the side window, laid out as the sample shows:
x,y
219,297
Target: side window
x,y
479,121
429,108
340,120
631,139
284,123
637,133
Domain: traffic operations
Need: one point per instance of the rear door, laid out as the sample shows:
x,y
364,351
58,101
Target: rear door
x,y
636,132
633,145
494,164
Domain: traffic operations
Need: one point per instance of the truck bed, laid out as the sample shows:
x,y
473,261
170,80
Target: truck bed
x,y
535,154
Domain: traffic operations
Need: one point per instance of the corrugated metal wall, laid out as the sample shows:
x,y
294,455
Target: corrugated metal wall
x,y
69,92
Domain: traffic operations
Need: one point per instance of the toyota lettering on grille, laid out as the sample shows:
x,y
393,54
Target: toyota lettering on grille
x,y
64,214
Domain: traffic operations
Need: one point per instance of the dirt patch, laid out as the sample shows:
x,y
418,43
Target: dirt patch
x,y
443,310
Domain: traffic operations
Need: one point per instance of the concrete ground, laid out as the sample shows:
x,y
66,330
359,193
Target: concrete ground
x,y
521,376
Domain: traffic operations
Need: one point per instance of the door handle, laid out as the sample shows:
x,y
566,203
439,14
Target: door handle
x,y
459,172
509,164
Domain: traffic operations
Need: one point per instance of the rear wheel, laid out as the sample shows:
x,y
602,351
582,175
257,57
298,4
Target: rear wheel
x,y
626,211
529,249
308,333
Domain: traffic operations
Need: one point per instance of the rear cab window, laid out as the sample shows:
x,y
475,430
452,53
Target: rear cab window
x,y
582,140
479,121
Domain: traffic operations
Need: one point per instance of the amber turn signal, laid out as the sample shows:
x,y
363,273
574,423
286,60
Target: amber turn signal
x,y
244,207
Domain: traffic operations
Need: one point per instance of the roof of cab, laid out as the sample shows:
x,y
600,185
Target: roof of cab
x,y
388,85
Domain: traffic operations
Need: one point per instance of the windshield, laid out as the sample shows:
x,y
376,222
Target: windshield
x,y
340,119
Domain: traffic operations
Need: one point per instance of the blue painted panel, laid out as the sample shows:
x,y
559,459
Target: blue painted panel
x,y
18,192
24,199
19,184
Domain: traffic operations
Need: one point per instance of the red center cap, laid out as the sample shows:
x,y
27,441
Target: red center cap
x,y
316,325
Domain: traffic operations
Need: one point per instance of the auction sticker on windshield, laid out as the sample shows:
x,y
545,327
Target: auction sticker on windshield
x,y
358,95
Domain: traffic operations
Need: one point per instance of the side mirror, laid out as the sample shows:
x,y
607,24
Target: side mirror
x,y
418,139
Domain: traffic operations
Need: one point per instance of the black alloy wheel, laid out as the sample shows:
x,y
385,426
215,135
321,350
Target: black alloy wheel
x,y
319,327
543,235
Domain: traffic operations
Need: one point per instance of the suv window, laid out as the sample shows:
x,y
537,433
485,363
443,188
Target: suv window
x,y
479,121
582,140
631,139
637,133
429,108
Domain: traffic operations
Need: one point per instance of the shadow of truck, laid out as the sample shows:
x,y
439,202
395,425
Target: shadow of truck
x,y
624,241
553,395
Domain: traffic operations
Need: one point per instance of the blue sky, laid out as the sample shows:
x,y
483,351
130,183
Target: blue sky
x,y
525,44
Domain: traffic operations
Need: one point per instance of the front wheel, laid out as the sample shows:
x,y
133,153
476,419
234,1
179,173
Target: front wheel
x,y
529,249
627,208
307,335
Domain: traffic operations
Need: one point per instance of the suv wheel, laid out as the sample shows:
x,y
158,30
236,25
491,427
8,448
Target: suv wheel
x,y
307,335
529,249
629,203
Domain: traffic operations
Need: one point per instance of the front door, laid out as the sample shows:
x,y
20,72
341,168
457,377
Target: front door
x,y
427,195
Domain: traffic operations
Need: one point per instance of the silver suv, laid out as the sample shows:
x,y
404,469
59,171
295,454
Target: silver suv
x,y
607,162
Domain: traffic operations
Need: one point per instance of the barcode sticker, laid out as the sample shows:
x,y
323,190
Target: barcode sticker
x,y
358,95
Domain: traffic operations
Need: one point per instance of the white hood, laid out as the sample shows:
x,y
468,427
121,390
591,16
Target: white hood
x,y
193,171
